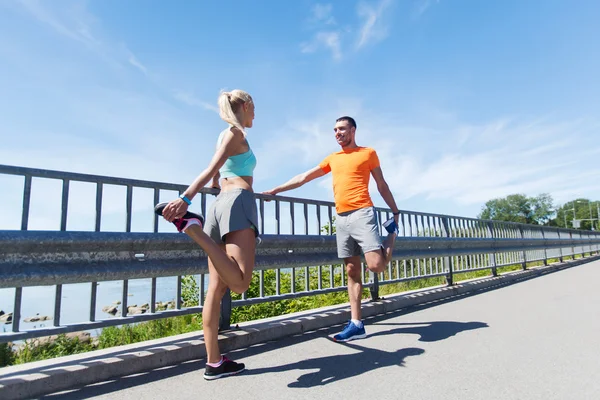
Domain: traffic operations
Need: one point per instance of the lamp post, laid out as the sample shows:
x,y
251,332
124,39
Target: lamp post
x,y
565,215
590,206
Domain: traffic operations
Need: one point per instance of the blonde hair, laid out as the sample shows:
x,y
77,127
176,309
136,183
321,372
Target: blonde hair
x,y
230,106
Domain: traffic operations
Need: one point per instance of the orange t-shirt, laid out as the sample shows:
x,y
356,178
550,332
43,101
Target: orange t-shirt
x,y
351,170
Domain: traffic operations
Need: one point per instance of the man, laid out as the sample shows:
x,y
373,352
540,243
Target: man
x,y
356,223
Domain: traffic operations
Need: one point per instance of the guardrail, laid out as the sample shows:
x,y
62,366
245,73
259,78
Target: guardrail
x,y
429,245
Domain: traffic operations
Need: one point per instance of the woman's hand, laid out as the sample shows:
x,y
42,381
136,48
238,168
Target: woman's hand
x,y
175,209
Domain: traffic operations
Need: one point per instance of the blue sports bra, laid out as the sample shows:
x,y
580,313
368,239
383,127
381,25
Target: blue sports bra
x,y
239,165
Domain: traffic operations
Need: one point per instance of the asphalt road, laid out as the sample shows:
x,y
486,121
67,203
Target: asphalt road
x,y
537,339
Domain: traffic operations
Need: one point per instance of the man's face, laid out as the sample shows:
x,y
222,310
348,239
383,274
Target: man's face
x,y
344,133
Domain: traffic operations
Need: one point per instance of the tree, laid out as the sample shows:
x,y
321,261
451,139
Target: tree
x,y
543,208
329,228
520,208
578,209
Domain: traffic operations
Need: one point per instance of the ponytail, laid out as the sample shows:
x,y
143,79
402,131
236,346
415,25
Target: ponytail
x,y
230,106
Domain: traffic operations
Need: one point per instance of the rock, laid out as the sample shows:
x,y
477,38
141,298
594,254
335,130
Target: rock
x,y
83,337
145,305
110,309
37,318
6,318
135,310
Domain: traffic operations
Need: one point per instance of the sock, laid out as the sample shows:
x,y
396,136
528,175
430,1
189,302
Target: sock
x,y
357,322
215,365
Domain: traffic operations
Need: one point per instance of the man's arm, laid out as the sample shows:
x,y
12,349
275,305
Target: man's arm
x,y
298,181
384,190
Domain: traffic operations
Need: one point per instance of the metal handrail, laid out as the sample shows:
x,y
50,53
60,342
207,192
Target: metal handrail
x,y
429,245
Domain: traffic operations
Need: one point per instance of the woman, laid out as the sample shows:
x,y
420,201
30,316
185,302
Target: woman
x,y
231,228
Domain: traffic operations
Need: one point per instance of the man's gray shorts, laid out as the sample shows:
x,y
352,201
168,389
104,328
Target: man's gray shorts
x,y
234,210
357,231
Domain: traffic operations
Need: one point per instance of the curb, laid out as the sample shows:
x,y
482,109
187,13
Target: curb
x,y
58,374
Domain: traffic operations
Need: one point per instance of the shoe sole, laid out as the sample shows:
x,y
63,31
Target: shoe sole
x,y
224,375
350,338
158,209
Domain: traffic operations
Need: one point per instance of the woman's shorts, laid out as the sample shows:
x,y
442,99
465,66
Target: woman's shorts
x,y
234,210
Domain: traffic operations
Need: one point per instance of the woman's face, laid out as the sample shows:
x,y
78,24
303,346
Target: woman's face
x,y
248,114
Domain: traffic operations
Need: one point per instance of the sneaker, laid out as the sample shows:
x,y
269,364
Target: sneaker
x,y
350,332
226,368
182,224
391,226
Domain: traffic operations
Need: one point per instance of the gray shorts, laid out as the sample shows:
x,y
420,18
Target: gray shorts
x,y
357,231
233,210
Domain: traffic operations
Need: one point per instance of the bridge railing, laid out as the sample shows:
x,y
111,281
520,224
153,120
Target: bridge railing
x,y
429,245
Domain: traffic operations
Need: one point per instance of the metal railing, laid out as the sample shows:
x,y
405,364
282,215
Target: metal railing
x,y
300,249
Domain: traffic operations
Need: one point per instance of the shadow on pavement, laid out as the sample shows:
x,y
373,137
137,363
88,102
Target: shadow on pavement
x,y
330,368
339,367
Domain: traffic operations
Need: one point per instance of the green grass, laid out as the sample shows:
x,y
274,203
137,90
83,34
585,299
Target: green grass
x,y
156,329
33,350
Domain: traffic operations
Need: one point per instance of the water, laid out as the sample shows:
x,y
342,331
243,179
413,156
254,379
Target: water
x,y
76,300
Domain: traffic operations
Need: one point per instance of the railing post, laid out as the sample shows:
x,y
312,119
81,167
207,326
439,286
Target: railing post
x,y
560,249
572,247
448,260
374,289
225,317
545,249
524,263
490,226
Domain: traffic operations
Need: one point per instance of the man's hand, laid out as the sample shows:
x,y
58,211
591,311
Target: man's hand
x,y
271,192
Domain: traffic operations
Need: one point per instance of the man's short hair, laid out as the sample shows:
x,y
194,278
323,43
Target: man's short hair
x,y
349,120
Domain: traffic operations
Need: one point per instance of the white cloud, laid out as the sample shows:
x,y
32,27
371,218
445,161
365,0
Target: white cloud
x,y
373,28
74,24
456,164
328,40
522,158
420,7
322,13
191,100
134,61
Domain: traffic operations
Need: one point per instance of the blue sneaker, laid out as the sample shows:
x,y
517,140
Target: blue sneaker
x,y
350,332
391,226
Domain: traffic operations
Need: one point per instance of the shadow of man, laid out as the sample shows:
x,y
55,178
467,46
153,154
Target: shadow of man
x,y
430,331
335,368
338,367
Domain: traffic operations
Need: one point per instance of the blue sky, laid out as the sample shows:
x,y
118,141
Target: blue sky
x,y
464,101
